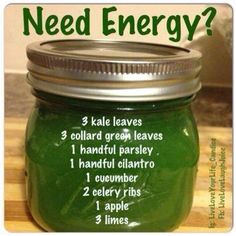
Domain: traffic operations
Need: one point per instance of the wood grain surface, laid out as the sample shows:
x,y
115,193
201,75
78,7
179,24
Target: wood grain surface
x,y
17,215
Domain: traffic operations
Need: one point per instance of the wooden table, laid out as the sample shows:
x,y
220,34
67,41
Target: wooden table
x,y
18,218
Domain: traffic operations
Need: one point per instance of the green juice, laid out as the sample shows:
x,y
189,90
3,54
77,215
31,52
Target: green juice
x,y
66,194
111,143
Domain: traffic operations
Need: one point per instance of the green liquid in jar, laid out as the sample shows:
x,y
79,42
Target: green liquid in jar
x,y
55,183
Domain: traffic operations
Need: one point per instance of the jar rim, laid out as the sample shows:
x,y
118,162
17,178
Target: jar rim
x,y
113,70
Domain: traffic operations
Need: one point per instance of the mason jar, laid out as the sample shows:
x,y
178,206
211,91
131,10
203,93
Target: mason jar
x,y
111,143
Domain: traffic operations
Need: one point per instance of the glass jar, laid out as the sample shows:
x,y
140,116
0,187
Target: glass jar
x,y
111,143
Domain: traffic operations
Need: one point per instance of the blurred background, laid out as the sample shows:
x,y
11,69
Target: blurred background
x,y
213,100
